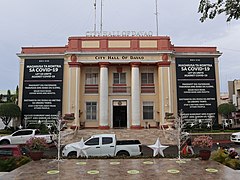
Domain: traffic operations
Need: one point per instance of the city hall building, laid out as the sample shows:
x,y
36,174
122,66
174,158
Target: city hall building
x,y
118,81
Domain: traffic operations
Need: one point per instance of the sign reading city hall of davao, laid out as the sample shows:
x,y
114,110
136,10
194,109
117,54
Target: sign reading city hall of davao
x,y
42,89
196,88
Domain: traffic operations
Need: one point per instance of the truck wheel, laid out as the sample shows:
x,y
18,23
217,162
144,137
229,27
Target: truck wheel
x,y
72,154
4,142
123,153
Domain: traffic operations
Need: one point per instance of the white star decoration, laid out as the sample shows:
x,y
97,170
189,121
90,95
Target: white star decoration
x,y
81,148
192,124
49,126
208,125
158,148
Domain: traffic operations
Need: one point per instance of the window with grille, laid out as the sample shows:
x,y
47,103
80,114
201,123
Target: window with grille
x,y
91,81
91,78
147,78
91,110
147,83
147,110
119,78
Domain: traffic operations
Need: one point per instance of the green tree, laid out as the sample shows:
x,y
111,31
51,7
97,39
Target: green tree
x,y
8,111
1,96
226,109
14,97
209,9
9,96
17,91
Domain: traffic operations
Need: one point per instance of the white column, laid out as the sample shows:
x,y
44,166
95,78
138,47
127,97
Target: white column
x,y
74,91
77,92
161,93
135,94
103,97
165,99
169,91
69,91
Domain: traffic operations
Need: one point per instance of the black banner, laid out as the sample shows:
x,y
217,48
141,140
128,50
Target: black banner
x,y
196,89
42,90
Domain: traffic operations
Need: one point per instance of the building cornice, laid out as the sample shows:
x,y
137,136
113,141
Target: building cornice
x,y
120,52
28,56
198,54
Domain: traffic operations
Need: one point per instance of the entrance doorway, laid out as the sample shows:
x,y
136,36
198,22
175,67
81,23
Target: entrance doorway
x,y
120,114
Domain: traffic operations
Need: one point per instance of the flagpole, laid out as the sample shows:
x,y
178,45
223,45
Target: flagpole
x,y
156,13
101,25
95,17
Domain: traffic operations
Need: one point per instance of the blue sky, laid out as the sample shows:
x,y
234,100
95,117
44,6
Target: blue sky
x,y
51,22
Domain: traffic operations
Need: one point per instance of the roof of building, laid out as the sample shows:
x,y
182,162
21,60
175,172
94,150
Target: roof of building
x,y
118,44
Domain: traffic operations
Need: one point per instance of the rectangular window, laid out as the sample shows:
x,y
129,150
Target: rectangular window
x,y
107,140
147,78
119,78
91,78
91,83
92,142
147,83
91,110
147,110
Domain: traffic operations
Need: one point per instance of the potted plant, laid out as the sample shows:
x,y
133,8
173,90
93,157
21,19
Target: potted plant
x,y
205,144
36,146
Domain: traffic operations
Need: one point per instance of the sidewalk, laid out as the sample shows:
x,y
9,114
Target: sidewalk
x,y
123,169
2,173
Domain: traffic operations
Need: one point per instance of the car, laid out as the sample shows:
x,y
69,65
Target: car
x,y
10,150
235,137
105,145
23,135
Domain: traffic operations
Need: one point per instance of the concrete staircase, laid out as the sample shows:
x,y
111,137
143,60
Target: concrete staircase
x,y
146,136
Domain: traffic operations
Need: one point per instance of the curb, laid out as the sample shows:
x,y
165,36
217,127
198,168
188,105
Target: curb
x,y
3,173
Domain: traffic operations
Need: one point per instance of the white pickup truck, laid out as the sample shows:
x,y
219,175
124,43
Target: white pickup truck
x,y
235,137
21,136
106,145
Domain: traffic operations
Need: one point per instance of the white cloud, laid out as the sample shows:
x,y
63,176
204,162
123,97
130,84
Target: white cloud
x,y
229,45
44,23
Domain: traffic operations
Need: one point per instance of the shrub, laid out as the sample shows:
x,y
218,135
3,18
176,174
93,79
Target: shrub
x,y
223,157
232,163
12,163
219,156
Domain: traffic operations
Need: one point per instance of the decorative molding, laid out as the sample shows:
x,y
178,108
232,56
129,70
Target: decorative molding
x,y
73,58
164,63
104,64
165,57
74,64
135,64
